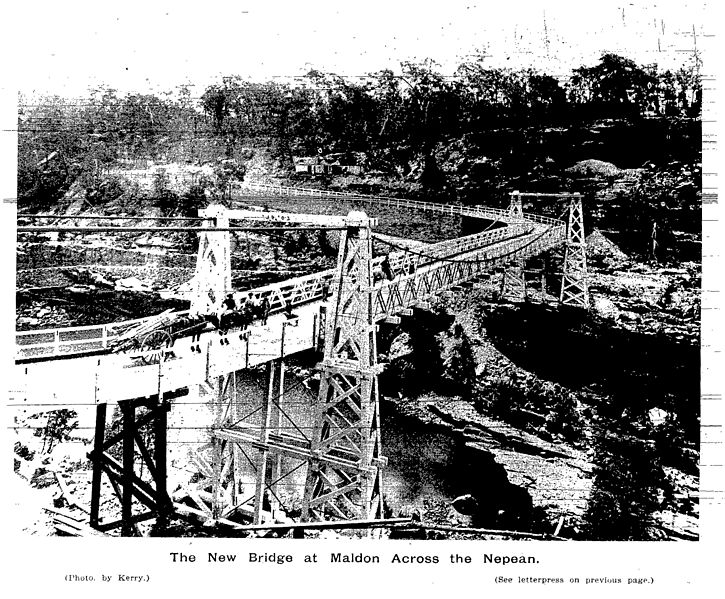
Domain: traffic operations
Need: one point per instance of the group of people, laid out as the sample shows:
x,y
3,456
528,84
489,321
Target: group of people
x,y
242,315
233,314
386,271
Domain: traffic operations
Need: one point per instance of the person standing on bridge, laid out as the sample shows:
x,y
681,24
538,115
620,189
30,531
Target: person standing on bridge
x,y
288,311
387,270
265,309
229,305
245,312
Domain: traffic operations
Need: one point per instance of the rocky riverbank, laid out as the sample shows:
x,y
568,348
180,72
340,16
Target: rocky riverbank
x,y
556,471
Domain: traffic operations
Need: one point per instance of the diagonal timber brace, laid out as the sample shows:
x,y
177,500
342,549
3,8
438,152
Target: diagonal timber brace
x,y
513,282
136,491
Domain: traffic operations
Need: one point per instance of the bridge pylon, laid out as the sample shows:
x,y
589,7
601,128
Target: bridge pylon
x,y
574,289
516,209
513,282
213,276
344,478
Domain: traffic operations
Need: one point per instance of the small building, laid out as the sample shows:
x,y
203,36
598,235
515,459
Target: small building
x,y
331,164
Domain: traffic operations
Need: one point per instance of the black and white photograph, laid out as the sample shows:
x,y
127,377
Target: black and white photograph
x,y
363,274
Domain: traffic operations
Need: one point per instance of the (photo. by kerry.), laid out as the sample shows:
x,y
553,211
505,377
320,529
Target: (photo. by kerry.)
x,y
440,292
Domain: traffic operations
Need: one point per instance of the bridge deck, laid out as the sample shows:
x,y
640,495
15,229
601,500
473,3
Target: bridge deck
x,y
90,380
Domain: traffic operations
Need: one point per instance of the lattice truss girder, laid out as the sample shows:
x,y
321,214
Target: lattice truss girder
x,y
390,297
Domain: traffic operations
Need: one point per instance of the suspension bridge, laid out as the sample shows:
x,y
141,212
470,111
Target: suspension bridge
x,y
248,454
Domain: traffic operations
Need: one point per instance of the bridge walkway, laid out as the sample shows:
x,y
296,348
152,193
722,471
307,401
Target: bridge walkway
x,y
43,385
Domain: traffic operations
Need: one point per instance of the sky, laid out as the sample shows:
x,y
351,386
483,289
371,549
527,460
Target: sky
x,y
134,46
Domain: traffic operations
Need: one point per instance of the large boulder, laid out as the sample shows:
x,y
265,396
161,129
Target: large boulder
x,y
597,169
465,504
401,347
132,283
603,250
605,307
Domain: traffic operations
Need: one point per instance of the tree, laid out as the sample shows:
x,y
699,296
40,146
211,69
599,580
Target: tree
x,y
506,398
616,87
662,201
628,480
166,199
193,200
51,146
546,97
430,105
671,445
59,426
226,174
216,102
385,91
690,87
563,417
459,367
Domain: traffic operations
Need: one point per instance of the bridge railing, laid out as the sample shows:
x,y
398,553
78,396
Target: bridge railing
x,y
293,292
59,342
453,209
69,340
408,290
452,247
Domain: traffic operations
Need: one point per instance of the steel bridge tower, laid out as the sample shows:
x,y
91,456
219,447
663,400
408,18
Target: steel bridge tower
x,y
574,289
513,282
344,475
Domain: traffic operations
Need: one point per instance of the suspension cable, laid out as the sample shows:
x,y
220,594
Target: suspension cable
x,y
123,229
434,259
96,217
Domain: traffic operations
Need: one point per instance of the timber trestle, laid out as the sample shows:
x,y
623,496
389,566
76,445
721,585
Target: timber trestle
x,y
134,461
